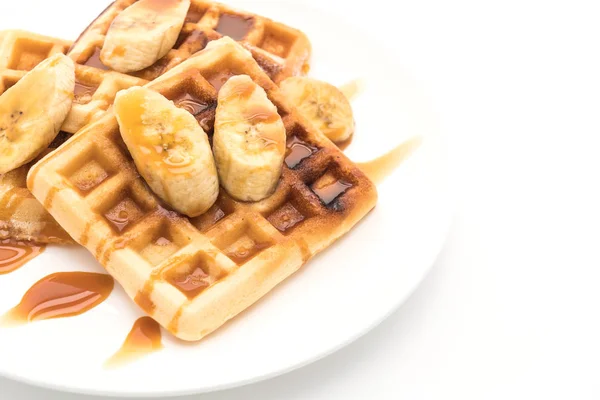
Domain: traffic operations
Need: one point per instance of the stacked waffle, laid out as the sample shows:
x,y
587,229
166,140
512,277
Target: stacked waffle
x,y
192,274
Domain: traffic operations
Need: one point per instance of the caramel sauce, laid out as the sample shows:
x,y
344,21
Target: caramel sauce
x,y
217,216
123,214
191,282
285,218
234,26
194,15
14,254
94,60
64,294
352,89
83,92
242,254
218,80
144,338
156,150
242,89
207,220
380,168
194,41
142,298
191,104
328,193
259,113
297,151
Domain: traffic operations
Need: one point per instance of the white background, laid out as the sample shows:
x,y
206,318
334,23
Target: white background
x,y
510,309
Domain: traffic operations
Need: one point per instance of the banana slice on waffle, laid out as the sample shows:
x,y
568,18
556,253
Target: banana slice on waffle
x,y
143,33
33,110
322,104
170,150
249,140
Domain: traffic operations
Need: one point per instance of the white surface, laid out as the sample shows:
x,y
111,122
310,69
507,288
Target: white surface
x,y
337,297
510,309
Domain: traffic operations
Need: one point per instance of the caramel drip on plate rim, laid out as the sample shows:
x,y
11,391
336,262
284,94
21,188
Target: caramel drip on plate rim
x,y
14,254
63,294
380,168
145,337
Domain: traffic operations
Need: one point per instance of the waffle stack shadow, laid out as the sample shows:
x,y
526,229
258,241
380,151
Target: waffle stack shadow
x,y
192,275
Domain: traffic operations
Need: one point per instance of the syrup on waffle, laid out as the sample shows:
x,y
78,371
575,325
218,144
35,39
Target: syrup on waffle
x,y
192,275
59,295
280,50
22,217
20,51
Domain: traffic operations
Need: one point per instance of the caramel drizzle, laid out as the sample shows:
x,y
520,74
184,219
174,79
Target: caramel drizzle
x,y
144,338
14,254
63,294
380,168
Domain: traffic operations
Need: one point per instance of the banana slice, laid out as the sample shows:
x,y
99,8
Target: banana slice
x,y
322,104
143,33
169,148
33,110
249,140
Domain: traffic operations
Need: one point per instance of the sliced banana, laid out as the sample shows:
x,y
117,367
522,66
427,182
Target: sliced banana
x,y
143,33
249,140
323,104
33,110
169,148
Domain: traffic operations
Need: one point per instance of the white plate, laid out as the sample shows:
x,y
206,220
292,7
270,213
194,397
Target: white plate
x,y
334,299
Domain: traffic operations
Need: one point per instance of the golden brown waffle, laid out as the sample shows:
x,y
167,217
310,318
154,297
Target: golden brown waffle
x,y
280,50
193,275
20,51
22,217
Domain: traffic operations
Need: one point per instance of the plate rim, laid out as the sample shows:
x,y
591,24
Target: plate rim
x,y
428,261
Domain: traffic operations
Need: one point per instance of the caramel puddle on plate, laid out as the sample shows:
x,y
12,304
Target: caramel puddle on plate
x,y
64,294
144,338
14,254
381,167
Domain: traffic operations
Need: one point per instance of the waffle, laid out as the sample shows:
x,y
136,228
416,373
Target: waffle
x,y
280,50
21,51
192,275
22,217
